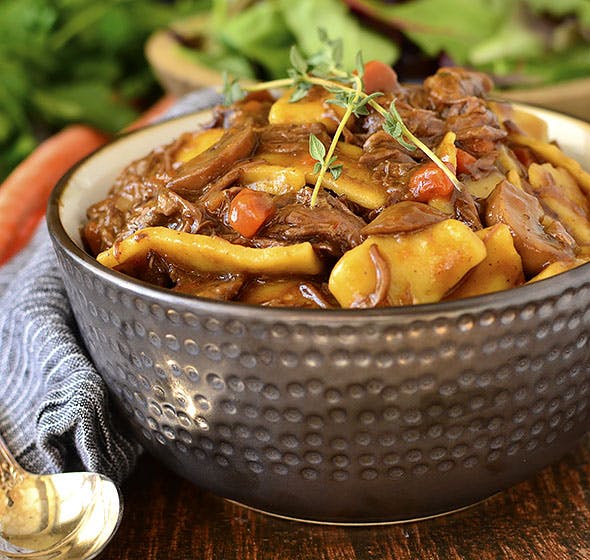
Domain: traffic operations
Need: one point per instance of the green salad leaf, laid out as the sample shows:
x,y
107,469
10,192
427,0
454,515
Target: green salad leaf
x,y
253,39
452,26
513,39
521,42
261,35
305,17
561,8
64,61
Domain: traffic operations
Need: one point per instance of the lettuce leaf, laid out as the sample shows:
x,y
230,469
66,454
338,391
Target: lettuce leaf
x,y
561,8
514,39
523,42
452,26
261,35
304,17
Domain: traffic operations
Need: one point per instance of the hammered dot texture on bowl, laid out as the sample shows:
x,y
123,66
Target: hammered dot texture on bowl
x,y
378,406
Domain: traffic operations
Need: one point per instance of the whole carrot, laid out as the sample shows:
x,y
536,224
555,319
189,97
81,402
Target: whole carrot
x,y
24,193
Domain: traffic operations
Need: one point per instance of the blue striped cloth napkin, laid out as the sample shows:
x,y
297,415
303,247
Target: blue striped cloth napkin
x,y
55,413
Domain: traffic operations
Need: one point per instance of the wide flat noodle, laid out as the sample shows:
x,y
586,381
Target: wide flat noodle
x,y
194,252
554,155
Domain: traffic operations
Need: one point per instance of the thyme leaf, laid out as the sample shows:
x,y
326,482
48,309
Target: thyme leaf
x,y
317,150
336,170
232,91
393,125
324,69
328,58
298,63
359,65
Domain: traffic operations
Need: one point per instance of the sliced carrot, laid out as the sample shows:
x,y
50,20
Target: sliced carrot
x,y
428,182
249,210
24,193
379,76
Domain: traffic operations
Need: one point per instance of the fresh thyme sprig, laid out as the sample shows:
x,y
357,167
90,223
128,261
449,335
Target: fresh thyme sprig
x,y
325,69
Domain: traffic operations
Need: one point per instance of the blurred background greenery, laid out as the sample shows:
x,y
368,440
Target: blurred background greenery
x,y
64,61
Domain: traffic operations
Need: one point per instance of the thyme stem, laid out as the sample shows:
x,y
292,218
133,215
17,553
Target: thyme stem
x,y
419,144
332,148
287,82
324,69
261,86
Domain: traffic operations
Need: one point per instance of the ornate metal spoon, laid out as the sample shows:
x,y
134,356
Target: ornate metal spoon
x,y
68,515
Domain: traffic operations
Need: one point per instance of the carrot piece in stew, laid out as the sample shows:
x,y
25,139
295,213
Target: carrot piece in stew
x,y
428,182
249,210
379,76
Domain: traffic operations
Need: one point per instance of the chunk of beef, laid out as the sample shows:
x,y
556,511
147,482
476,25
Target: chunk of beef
x,y
379,147
192,177
136,185
291,138
522,213
483,166
403,217
166,209
224,287
466,209
252,111
395,177
330,225
105,221
424,123
372,123
455,85
476,126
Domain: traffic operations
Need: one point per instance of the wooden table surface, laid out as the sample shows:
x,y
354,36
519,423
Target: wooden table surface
x,y
546,517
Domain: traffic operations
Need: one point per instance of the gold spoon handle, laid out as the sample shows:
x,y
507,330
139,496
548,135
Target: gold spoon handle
x,y
10,471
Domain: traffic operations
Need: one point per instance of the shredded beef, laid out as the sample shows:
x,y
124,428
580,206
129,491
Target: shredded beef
x,y
330,225
394,176
467,210
380,147
424,123
252,110
220,287
524,215
138,184
455,85
476,126
195,196
165,209
291,138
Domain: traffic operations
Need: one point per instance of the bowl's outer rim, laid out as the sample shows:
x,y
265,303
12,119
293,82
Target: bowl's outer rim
x,y
537,291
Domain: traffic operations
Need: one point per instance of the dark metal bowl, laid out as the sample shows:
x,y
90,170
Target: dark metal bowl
x,y
343,416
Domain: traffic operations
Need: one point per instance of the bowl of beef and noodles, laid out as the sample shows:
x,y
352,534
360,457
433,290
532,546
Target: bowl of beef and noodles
x,y
340,298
